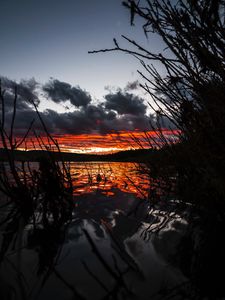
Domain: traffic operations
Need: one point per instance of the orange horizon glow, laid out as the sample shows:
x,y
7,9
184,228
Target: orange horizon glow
x,y
102,144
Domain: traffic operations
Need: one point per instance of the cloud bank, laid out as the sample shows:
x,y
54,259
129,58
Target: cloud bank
x,y
120,110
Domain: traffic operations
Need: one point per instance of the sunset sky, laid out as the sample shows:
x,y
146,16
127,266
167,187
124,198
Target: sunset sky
x,y
91,102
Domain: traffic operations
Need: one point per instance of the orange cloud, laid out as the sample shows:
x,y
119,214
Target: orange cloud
x,y
109,143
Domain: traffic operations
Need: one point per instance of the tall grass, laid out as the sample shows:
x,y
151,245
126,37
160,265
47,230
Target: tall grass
x,y
42,196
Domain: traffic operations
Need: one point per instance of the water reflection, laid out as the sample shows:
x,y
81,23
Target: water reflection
x,y
105,252
107,177
103,177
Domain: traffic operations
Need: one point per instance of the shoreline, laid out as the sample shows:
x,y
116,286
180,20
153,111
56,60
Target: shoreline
x,y
139,155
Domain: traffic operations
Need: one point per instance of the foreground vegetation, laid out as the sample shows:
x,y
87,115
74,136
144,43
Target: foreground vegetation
x,y
189,95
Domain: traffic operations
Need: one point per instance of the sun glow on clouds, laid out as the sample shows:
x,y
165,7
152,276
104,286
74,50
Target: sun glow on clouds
x,y
104,144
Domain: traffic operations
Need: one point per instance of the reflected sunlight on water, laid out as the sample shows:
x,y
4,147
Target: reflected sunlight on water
x,y
104,177
101,177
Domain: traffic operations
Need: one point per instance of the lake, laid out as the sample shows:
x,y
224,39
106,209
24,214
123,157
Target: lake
x,y
112,248
109,177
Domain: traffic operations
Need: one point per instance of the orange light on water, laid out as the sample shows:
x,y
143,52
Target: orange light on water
x,y
108,178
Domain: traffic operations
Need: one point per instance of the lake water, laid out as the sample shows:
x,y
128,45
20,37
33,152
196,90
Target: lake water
x,y
107,178
110,250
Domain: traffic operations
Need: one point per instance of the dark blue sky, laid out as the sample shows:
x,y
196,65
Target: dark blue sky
x,y
51,38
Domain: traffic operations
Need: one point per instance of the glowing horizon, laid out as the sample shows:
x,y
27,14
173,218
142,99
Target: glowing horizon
x,y
102,144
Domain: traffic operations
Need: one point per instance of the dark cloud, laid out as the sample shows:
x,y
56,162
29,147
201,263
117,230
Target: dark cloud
x,y
125,103
134,85
89,119
119,112
26,92
93,119
60,91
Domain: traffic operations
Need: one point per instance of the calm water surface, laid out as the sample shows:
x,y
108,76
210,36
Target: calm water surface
x,y
110,250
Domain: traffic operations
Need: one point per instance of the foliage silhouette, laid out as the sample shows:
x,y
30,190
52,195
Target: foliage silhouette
x,y
190,96
39,199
